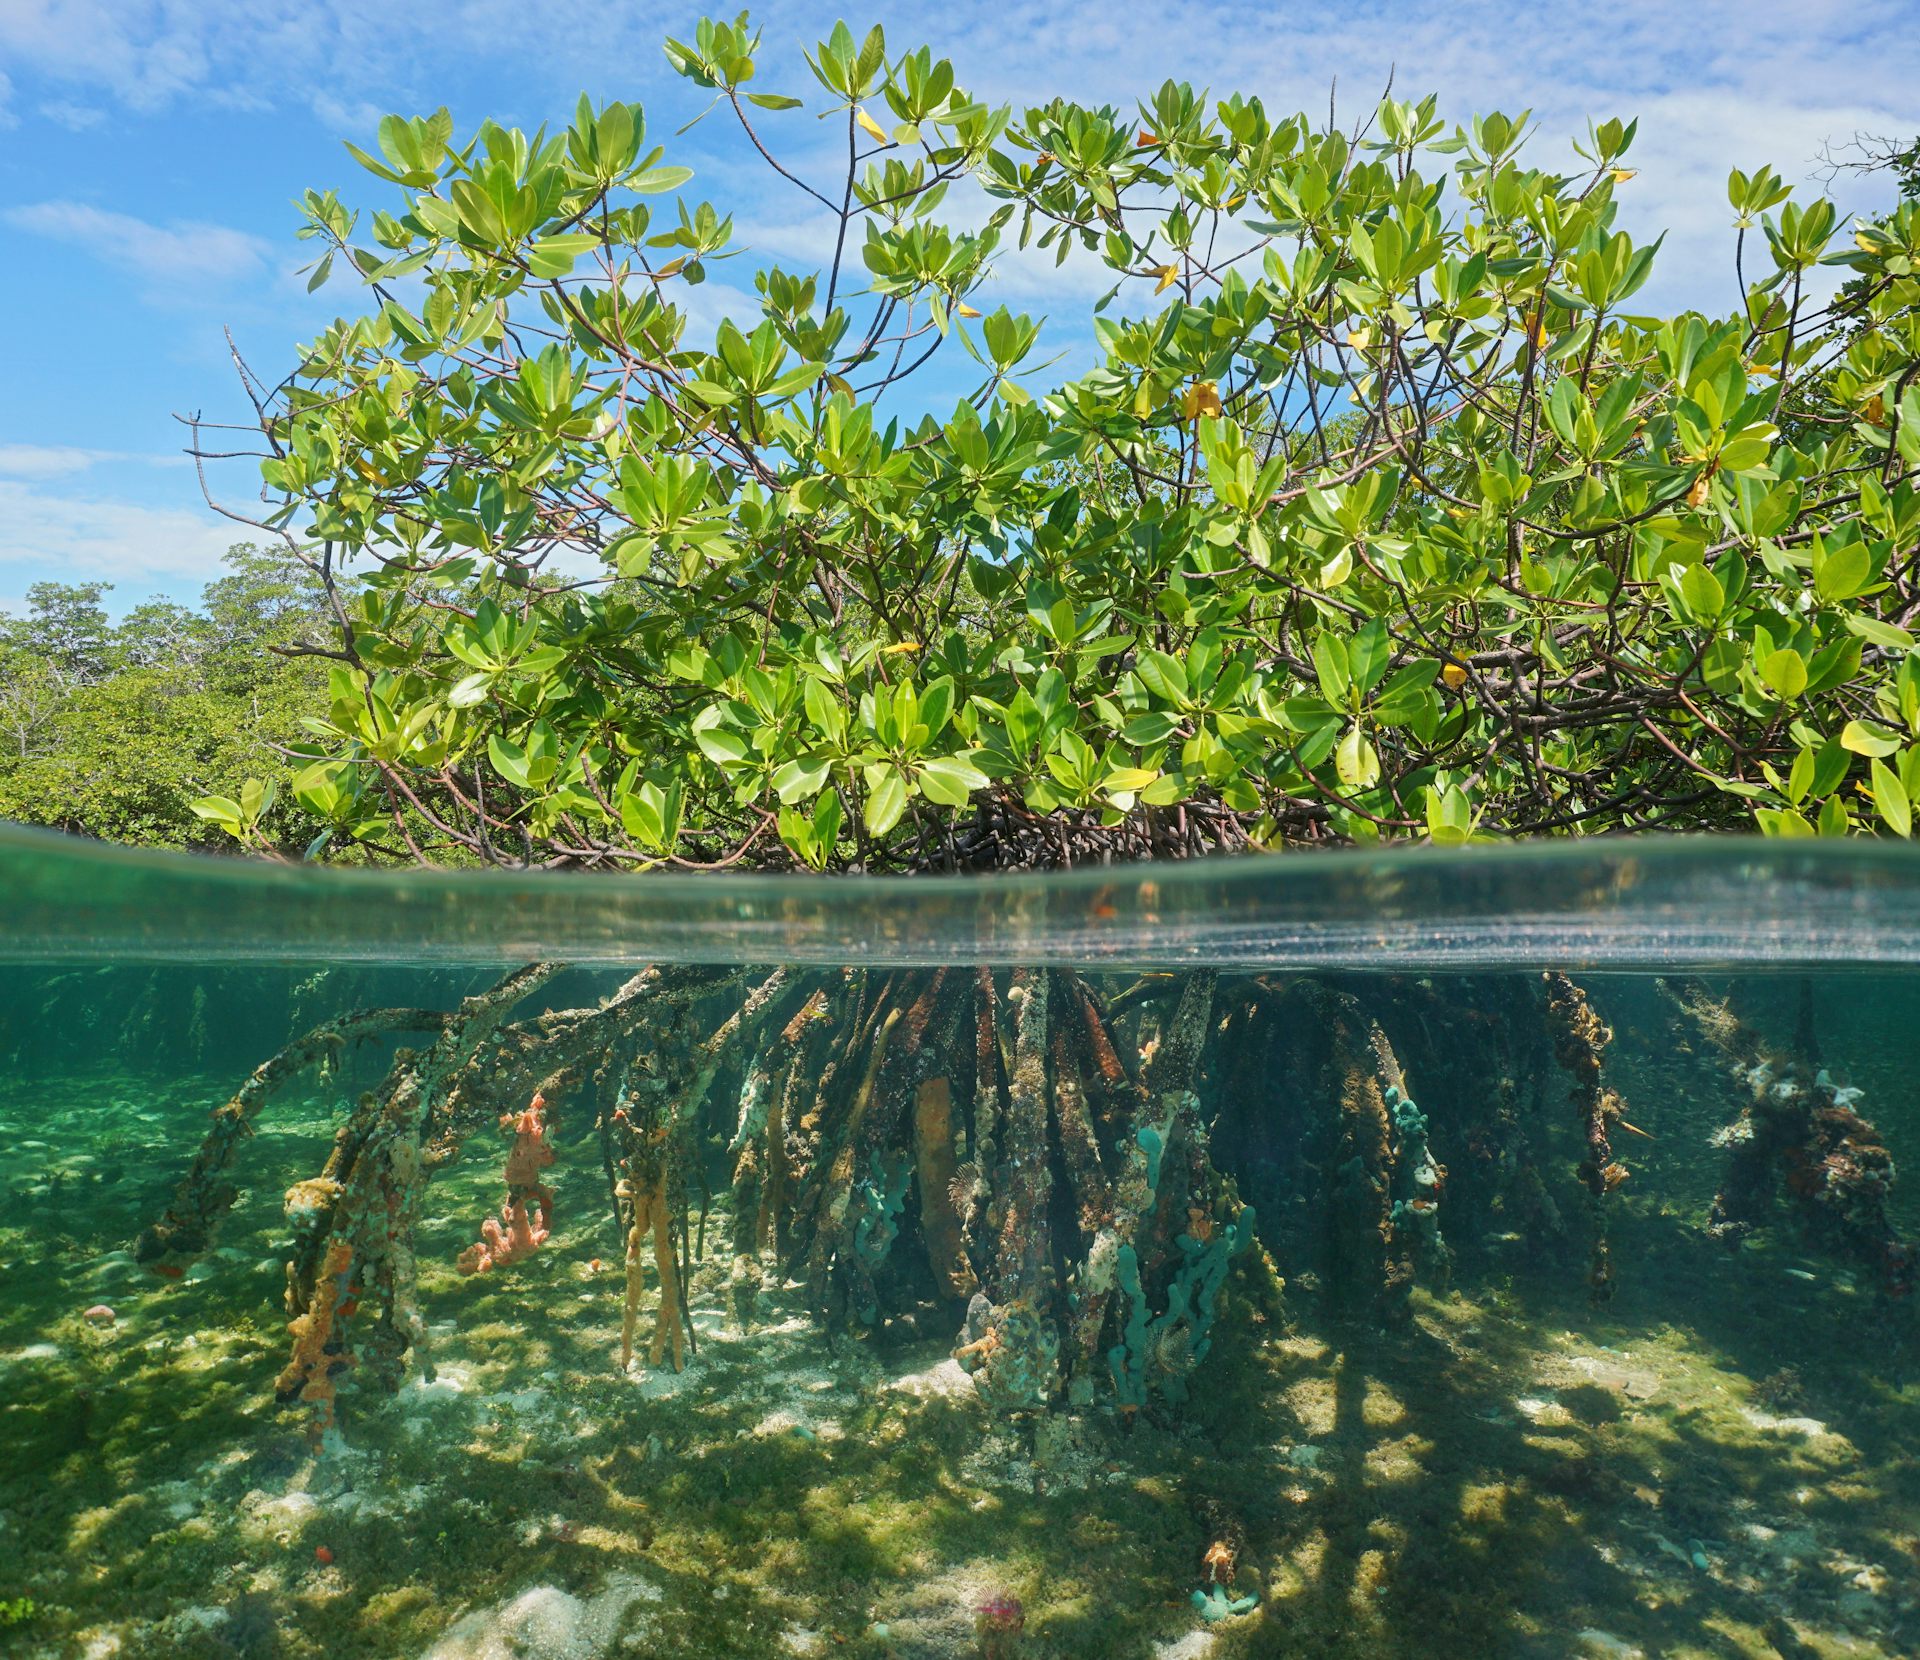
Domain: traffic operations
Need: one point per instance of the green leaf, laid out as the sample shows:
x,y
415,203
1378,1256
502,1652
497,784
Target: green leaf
x,y
1356,760
951,781
651,181
1785,671
1330,664
469,691
1162,675
1843,572
1865,739
1890,800
722,747
509,760
1702,591
1886,635
1775,822
824,709
221,810
1367,655
799,780
553,256
1154,727
886,801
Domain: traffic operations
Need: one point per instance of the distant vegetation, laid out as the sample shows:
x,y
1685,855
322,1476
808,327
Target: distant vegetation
x,y
1385,512
112,730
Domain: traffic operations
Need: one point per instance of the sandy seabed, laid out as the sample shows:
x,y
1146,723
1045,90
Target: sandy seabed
x,y
1722,1463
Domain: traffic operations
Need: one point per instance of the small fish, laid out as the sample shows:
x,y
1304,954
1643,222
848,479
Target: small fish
x,y
168,1271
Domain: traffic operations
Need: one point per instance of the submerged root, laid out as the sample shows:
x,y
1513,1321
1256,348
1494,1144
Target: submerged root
x,y
1580,1039
651,1218
1013,1142
1799,1138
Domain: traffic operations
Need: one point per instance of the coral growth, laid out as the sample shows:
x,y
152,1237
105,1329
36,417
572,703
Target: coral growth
x,y
1013,1354
1802,1131
1163,1351
308,1376
519,1232
1058,1129
1799,1135
1418,1181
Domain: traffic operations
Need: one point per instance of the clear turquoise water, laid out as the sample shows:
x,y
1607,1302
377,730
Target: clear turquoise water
x,y
1453,1431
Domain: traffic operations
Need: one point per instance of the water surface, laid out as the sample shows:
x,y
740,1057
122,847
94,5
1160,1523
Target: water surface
x,y
1304,1317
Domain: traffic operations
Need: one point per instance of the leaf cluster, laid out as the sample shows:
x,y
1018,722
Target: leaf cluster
x,y
1383,512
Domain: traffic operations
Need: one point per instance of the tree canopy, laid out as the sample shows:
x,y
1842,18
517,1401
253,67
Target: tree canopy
x,y
113,730
1382,511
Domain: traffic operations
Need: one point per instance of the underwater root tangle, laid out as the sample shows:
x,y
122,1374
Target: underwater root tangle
x,y
1030,1150
1799,1137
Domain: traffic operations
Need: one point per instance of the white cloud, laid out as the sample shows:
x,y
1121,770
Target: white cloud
x,y
47,533
48,460
352,119
73,116
1733,82
58,460
165,256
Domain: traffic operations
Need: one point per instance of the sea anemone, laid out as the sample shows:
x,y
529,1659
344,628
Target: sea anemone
x,y
997,1622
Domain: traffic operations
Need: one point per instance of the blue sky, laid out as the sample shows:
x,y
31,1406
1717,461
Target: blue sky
x,y
149,151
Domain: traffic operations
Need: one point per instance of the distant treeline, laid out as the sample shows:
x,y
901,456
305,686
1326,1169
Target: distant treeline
x,y
111,729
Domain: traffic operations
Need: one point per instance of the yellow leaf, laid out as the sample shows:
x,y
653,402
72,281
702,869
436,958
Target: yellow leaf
x,y
899,646
1620,175
1865,243
838,384
1145,141
1539,332
1454,675
1168,275
965,310
1697,496
1202,398
871,127
1876,410
1360,339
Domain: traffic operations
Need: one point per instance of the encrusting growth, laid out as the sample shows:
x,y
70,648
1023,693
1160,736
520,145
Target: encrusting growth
x,y
308,1375
1027,1149
1799,1136
518,1232
1580,1038
644,1191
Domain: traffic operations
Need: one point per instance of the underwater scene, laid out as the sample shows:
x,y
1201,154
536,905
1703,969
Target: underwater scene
x,y
1442,1255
